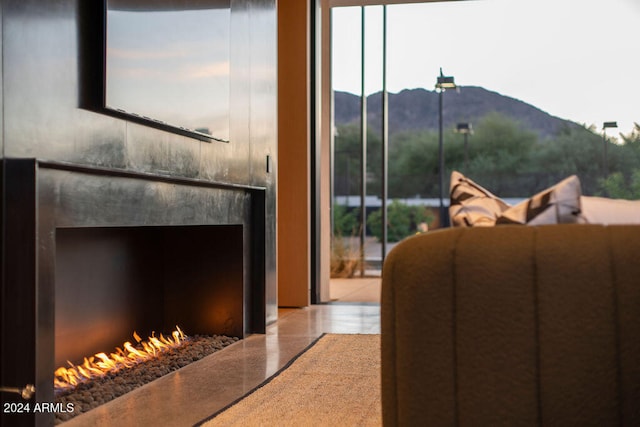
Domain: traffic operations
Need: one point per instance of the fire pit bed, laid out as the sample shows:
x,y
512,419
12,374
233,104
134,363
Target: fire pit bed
x,y
97,391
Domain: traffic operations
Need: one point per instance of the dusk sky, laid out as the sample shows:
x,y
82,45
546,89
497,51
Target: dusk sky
x,y
575,59
171,66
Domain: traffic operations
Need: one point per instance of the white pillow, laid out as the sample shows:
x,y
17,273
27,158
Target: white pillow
x,y
600,210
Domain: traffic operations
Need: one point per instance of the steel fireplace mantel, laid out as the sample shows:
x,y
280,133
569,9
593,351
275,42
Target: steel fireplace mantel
x,y
165,229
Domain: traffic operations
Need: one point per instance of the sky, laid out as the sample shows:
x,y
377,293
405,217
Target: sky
x,y
575,59
172,66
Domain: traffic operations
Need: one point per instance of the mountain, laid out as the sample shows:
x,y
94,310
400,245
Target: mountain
x,y
417,109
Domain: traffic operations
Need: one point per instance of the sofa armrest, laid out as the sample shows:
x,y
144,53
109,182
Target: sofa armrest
x,y
513,325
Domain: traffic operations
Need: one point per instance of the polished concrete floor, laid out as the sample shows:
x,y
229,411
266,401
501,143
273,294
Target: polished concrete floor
x,y
356,290
200,389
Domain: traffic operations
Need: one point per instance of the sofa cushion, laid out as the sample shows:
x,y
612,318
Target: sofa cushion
x,y
559,204
471,204
600,210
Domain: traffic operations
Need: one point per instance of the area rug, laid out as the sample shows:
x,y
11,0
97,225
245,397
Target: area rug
x,y
334,382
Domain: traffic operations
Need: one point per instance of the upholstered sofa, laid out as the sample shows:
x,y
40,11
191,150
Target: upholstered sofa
x,y
513,325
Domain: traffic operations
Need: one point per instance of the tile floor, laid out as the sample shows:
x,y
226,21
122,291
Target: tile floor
x,y
200,389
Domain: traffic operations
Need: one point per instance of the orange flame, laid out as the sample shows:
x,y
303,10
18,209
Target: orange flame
x,y
101,363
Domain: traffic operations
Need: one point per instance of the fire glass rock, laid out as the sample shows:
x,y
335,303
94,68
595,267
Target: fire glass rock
x,y
98,391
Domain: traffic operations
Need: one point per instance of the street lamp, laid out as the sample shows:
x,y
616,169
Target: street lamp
x,y
443,83
466,130
605,166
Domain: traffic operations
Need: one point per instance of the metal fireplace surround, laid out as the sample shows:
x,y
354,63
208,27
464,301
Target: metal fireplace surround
x,y
90,252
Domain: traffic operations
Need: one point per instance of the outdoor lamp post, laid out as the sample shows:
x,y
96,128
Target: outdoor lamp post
x,y
466,130
605,166
443,83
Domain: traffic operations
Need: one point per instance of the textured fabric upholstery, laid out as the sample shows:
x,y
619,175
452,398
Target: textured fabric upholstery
x,y
514,326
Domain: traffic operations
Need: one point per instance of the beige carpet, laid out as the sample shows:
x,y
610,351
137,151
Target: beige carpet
x,y
335,382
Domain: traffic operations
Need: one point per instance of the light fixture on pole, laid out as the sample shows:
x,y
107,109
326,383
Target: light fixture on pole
x,y
466,130
605,166
443,83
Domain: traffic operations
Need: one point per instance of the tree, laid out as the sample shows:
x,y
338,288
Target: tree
x,y
413,165
575,151
347,166
624,182
505,157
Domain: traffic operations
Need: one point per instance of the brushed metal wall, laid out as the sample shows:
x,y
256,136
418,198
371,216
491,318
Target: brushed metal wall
x,y
48,74
44,81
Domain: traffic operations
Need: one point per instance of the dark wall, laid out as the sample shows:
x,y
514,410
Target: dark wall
x,y
45,79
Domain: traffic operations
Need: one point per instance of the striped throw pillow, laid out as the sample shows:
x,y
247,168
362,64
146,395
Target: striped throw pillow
x,y
472,205
559,204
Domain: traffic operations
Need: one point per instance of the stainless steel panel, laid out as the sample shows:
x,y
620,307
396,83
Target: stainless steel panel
x,y
47,76
72,197
160,152
44,63
43,43
91,199
262,123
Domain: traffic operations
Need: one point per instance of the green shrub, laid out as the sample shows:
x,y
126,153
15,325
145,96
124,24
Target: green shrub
x,y
402,220
617,187
345,221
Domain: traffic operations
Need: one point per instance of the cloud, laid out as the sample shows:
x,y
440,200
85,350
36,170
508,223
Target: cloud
x,y
216,69
138,54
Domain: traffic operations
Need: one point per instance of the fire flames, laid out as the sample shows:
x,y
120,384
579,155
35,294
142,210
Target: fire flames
x,y
100,364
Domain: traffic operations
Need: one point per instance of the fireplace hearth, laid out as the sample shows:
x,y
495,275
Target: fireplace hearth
x,y
92,254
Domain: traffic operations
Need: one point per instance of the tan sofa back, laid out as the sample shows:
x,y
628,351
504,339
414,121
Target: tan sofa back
x,y
513,325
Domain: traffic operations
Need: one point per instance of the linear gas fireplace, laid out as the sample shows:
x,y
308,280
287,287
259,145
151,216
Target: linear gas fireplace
x,y
91,255
110,281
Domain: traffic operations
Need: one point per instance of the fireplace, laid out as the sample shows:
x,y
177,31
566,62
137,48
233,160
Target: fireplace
x,y
112,281
92,254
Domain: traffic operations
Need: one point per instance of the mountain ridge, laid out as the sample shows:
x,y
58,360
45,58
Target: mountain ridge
x,y
417,110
